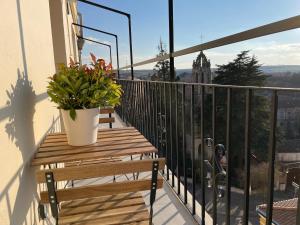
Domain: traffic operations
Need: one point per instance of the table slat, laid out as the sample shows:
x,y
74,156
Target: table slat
x,y
91,155
93,149
113,142
98,144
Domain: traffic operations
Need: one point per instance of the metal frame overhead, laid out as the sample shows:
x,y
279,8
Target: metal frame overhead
x,y
129,27
104,32
98,42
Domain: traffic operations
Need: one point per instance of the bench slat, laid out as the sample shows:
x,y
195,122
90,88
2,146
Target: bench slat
x,y
101,190
99,170
100,200
107,120
129,218
106,110
101,206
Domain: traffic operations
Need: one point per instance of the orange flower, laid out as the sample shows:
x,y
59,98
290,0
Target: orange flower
x,y
94,59
108,67
101,62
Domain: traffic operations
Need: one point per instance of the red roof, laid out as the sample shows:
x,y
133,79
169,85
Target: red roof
x,y
284,212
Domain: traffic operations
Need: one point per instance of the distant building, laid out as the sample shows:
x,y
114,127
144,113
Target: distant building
x,y
284,212
288,113
201,72
288,156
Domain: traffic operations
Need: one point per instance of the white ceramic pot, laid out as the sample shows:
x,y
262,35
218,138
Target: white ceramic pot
x,y
84,129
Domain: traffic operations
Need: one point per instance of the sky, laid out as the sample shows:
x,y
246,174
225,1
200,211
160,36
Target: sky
x,y
195,22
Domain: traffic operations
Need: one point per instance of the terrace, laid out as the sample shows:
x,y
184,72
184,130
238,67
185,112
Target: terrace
x,y
211,167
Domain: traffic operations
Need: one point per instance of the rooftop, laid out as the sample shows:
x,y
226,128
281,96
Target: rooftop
x,y
284,212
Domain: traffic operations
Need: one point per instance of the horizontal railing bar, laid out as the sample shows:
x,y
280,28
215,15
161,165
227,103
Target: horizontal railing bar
x,y
94,29
222,86
268,29
97,42
272,28
153,60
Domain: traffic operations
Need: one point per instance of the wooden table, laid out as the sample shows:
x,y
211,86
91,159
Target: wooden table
x,y
111,143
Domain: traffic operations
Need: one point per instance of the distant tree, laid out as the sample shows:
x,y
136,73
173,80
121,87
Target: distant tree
x,y
297,126
162,67
244,70
289,134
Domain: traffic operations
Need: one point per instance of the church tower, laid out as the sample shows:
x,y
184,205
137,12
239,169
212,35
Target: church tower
x,y
201,72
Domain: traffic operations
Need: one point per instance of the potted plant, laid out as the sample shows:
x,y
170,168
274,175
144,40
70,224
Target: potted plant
x,y
79,91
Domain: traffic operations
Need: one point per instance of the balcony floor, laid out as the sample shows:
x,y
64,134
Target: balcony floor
x,y
167,208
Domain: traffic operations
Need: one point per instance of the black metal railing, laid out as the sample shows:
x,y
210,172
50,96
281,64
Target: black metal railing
x,y
191,126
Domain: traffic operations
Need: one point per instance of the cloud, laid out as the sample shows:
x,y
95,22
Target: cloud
x,y
278,54
267,53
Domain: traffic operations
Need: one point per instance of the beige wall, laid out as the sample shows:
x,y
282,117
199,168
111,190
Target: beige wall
x,y
58,32
70,33
63,32
26,114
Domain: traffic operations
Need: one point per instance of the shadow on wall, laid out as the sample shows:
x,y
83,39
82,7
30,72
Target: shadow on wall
x,y
20,131
20,109
20,193
21,102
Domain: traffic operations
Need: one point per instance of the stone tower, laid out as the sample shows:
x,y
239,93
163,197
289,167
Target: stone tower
x,y
201,72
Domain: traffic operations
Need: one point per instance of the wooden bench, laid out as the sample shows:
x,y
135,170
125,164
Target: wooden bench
x,y
108,119
108,203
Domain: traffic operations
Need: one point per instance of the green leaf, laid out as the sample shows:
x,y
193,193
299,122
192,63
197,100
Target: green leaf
x,y
77,84
65,79
70,90
73,114
84,86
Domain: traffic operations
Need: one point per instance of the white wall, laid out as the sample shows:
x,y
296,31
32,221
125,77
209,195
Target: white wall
x,y
70,33
63,32
26,114
288,157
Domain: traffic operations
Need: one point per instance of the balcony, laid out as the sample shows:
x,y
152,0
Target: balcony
x,y
226,162
167,113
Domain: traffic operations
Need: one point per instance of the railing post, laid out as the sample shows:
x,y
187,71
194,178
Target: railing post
x,y
167,144
110,57
184,157
214,217
117,49
193,150
130,46
171,131
247,155
171,41
271,157
202,155
298,209
228,156
177,138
